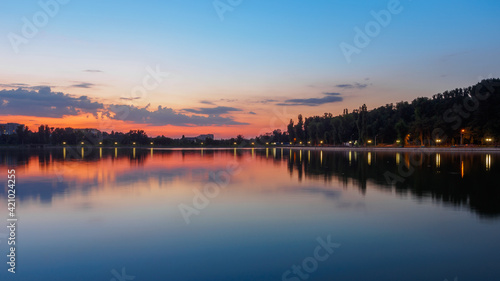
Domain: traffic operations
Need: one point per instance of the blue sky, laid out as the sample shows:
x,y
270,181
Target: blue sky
x,y
261,50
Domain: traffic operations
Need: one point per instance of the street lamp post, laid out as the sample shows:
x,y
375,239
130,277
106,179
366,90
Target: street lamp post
x,y
462,136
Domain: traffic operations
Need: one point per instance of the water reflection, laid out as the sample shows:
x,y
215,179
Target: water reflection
x,y
452,178
124,202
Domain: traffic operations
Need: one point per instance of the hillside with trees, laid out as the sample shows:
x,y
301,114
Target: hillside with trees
x,y
471,114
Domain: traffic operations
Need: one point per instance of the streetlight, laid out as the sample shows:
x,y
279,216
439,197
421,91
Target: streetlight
x,y
133,143
151,143
461,136
369,141
100,143
116,143
267,143
82,143
234,143
253,143
64,143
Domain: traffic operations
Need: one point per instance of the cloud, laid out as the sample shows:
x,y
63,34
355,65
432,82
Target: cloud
x,y
212,111
93,70
22,86
267,101
207,102
355,85
135,98
45,103
166,116
83,85
329,98
15,85
251,112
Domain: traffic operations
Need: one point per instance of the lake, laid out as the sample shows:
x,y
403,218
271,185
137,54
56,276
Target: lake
x,y
252,214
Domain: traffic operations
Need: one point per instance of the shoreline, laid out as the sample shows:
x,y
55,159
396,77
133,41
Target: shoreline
x,y
400,149
313,148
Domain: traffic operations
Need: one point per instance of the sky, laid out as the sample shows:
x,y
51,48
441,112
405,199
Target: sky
x,y
230,67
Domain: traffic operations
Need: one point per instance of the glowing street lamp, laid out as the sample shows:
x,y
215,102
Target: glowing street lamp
x,y
100,143
267,143
116,143
321,142
82,143
369,141
133,143
398,141
151,143
64,143
234,143
202,143
438,141
462,136
253,143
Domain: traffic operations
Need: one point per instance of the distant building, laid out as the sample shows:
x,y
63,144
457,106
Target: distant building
x,y
9,128
205,137
200,138
91,131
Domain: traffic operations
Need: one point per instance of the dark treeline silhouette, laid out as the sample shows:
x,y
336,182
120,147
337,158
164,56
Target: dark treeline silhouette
x,y
69,136
461,116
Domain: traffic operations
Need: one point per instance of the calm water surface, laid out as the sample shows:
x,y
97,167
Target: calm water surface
x,y
263,214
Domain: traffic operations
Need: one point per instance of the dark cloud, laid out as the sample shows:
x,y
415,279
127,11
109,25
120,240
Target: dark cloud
x,y
352,86
93,70
329,98
251,112
15,85
212,111
83,85
136,98
207,102
267,101
165,116
45,103
22,86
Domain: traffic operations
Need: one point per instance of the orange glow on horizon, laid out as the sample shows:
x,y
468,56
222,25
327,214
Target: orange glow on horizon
x,y
89,121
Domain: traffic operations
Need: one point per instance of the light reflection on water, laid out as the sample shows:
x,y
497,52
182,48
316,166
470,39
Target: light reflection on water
x,y
88,211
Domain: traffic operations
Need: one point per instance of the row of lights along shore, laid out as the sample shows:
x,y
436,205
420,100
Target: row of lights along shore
x,y
438,141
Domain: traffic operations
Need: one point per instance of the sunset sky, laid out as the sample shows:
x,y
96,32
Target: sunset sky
x,y
232,67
